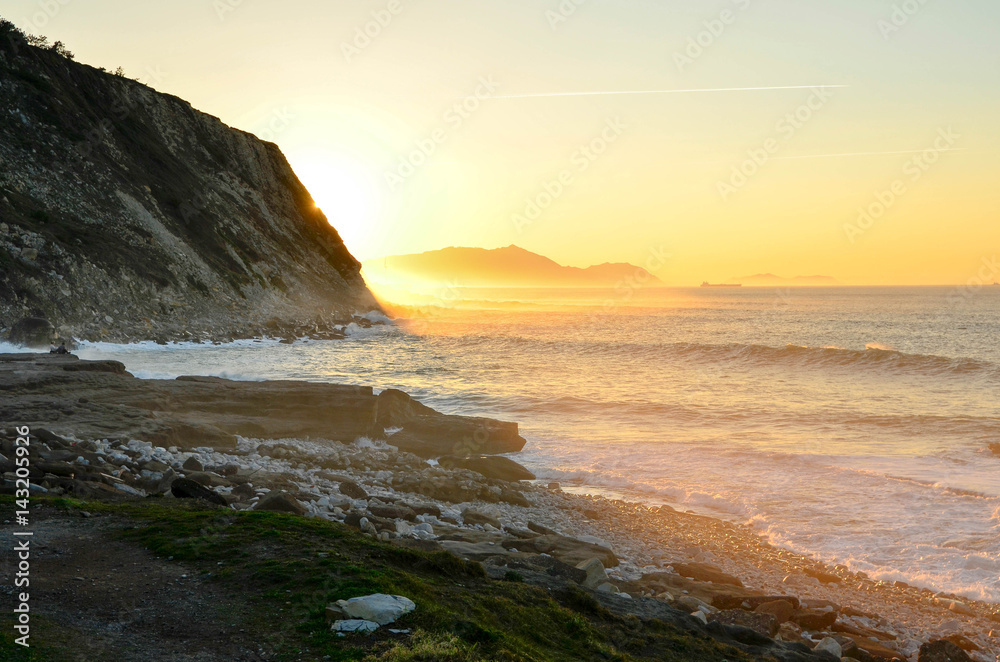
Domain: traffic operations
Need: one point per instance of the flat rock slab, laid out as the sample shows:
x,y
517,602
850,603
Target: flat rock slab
x,y
101,400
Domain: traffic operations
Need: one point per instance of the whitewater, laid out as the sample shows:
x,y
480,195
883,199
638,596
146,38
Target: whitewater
x,y
850,424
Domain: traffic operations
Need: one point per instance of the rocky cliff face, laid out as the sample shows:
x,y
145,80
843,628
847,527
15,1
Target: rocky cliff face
x,y
127,214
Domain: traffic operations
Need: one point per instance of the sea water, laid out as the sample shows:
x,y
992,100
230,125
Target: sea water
x,y
850,424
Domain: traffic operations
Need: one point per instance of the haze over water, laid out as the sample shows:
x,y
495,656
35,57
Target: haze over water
x,y
847,423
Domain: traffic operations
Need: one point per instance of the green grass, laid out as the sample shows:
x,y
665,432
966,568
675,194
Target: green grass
x,y
292,566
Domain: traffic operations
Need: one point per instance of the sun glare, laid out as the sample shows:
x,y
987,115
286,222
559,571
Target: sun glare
x,y
343,189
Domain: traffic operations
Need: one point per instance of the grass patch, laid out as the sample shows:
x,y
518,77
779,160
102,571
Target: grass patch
x,y
289,568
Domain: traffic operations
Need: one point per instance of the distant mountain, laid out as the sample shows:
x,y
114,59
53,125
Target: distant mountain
x,y
500,267
765,280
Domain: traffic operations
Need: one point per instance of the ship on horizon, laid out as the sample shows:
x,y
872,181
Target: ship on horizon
x,y
707,284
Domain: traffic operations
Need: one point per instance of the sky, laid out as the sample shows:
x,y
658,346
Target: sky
x,y
856,139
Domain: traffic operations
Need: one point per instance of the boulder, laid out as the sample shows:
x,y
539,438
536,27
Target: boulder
x,y
244,491
705,573
471,517
34,332
566,549
491,466
782,610
962,642
351,489
478,551
814,619
185,488
426,433
829,645
942,651
193,464
822,575
596,574
764,624
379,608
280,502
392,511
354,625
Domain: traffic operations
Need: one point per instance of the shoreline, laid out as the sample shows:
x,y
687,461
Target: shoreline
x,y
502,522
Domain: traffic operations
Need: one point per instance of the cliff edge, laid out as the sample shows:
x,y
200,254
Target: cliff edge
x,y
126,214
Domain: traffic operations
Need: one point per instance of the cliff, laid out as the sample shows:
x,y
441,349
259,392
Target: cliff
x,y
127,214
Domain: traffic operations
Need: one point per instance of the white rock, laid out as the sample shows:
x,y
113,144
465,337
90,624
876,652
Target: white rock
x,y
700,617
380,608
829,645
607,587
354,625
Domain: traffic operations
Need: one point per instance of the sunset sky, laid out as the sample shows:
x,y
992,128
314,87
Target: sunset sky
x,y
351,113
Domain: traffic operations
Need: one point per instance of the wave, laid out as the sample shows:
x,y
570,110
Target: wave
x,y
875,356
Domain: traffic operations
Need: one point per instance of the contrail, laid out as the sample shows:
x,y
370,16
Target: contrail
x,y
905,151
620,92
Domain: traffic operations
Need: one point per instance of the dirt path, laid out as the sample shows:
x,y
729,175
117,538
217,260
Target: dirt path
x,y
100,598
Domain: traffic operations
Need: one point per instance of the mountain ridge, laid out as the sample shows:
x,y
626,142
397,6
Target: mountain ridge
x,y
509,266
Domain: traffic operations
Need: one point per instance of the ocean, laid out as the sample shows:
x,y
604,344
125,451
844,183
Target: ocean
x,y
848,424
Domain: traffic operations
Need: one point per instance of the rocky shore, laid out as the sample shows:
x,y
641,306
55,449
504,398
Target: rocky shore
x,y
403,474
